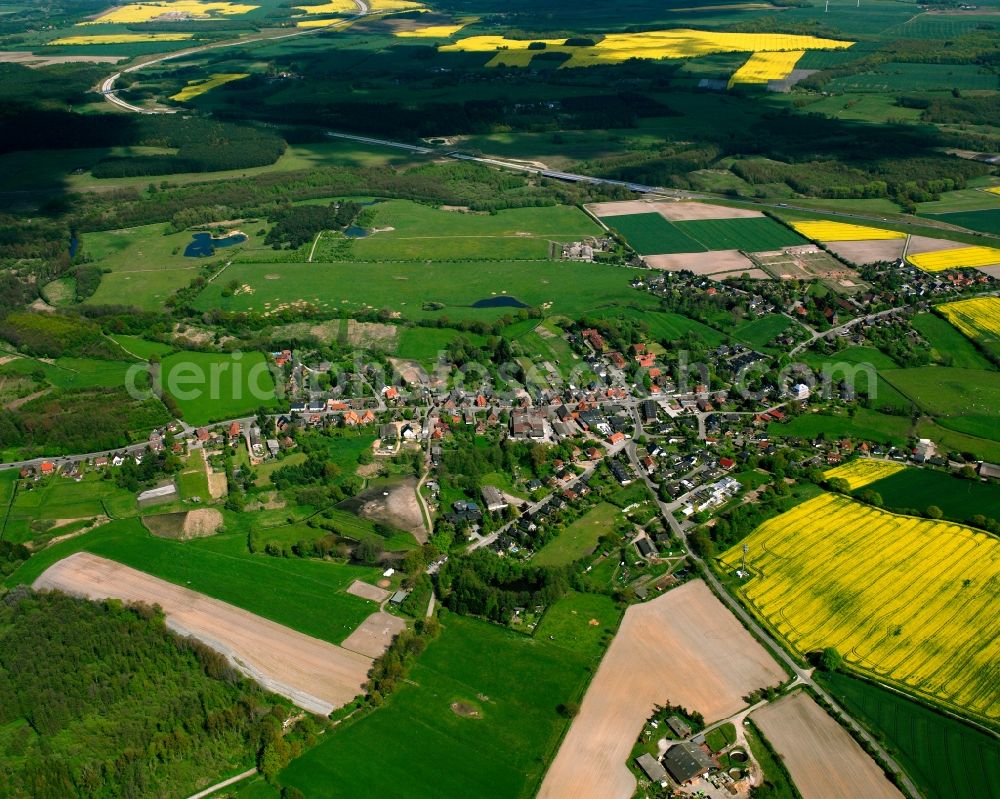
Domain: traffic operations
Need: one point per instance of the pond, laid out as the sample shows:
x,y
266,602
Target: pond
x,y
204,244
502,301
355,232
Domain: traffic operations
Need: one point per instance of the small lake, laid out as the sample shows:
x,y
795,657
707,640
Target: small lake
x,y
204,244
501,301
355,232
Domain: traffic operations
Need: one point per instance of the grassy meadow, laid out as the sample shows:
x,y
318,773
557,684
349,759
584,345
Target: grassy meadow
x,y
513,682
408,288
211,386
578,539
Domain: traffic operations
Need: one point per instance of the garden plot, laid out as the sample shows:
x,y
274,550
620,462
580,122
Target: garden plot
x,y
809,263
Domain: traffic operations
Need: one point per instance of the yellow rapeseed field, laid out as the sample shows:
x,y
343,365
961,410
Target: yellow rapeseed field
x,y
955,259
197,87
994,189
350,7
911,601
617,47
189,9
863,471
977,318
431,32
842,231
121,38
762,67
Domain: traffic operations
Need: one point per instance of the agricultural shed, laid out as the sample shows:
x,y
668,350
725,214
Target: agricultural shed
x,y
685,762
651,767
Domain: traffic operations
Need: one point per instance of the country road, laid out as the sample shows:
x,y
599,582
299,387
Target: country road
x,y
802,676
107,86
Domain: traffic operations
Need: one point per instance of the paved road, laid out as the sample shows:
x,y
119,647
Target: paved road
x,y
107,87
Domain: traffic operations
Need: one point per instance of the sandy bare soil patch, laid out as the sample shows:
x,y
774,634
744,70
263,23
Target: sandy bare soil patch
x,y
394,504
184,525
919,244
684,647
754,274
673,211
824,760
374,634
371,335
868,252
701,263
367,591
314,674
32,60
465,710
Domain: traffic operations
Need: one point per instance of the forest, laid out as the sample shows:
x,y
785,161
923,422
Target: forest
x,y
118,706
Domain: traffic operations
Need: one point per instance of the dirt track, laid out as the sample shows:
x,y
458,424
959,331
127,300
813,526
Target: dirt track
x,y
314,674
685,648
824,760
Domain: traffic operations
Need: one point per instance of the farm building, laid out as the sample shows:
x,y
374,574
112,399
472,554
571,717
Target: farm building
x,y
493,499
686,762
679,727
651,767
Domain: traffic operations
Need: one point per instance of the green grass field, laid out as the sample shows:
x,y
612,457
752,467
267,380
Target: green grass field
x,y
966,400
73,373
143,347
866,424
568,623
146,291
945,757
950,347
954,440
38,505
759,332
424,343
422,233
651,234
192,481
750,235
578,539
514,682
985,221
307,595
960,499
666,326
570,288
211,386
